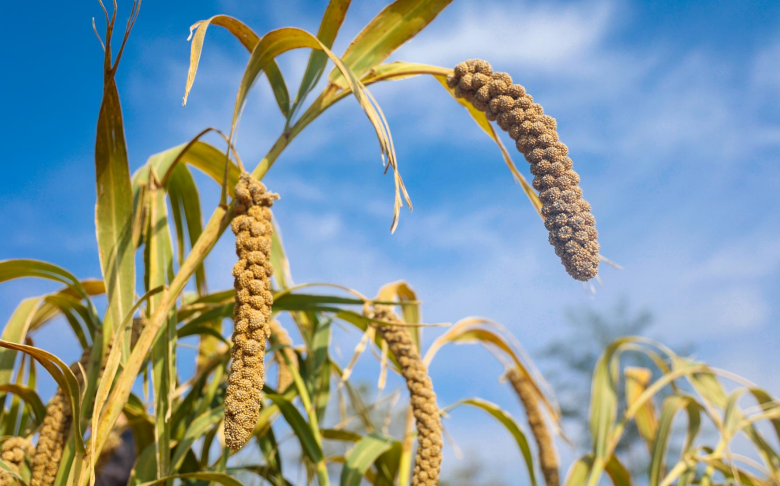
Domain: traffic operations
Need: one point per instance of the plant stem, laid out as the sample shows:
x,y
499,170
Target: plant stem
x,y
213,230
405,463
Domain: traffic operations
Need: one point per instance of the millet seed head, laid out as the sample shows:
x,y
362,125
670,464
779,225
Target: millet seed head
x,y
422,397
55,429
252,227
548,459
51,440
535,137
13,452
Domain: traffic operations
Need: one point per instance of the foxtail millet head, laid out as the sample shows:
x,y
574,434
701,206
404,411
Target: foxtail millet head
x,y
571,226
427,462
13,451
51,440
526,392
252,227
54,430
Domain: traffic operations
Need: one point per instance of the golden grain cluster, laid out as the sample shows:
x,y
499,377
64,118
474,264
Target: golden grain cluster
x,y
54,430
567,215
526,392
51,441
13,451
422,398
252,227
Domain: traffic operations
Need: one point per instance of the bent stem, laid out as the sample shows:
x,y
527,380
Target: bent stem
x,y
213,230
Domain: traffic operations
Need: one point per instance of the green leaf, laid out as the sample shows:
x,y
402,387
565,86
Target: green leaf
x,y
672,404
604,405
341,435
393,26
185,208
637,380
159,267
361,456
15,331
70,308
300,427
220,478
579,471
249,40
22,268
329,29
270,449
114,209
193,432
52,305
29,396
289,301
200,155
319,368
511,426
387,465
282,40
617,472
202,330
64,377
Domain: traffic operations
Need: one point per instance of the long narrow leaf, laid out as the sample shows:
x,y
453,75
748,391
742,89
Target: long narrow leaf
x,y
249,40
114,209
361,456
393,26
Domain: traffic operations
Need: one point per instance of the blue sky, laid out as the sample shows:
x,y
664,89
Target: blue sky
x,y
671,111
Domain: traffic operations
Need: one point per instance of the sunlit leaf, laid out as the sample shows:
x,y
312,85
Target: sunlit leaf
x,y
249,40
114,209
329,28
361,456
510,425
392,27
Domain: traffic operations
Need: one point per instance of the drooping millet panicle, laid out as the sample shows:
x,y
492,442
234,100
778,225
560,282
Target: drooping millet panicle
x,y
252,227
13,451
51,441
281,337
567,215
422,398
54,432
548,459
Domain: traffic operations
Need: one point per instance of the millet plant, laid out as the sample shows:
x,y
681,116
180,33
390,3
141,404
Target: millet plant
x,y
190,428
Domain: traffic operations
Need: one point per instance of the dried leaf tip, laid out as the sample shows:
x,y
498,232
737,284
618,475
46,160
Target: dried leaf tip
x,y
567,215
252,227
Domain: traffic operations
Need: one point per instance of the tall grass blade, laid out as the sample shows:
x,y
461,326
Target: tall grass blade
x,y
397,23
114,209
361,456
329,29
249,40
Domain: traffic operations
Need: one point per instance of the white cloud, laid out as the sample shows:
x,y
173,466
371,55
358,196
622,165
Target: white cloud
x,y
547,36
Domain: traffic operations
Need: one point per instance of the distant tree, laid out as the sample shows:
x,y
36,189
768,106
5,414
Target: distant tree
x,y
572,358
